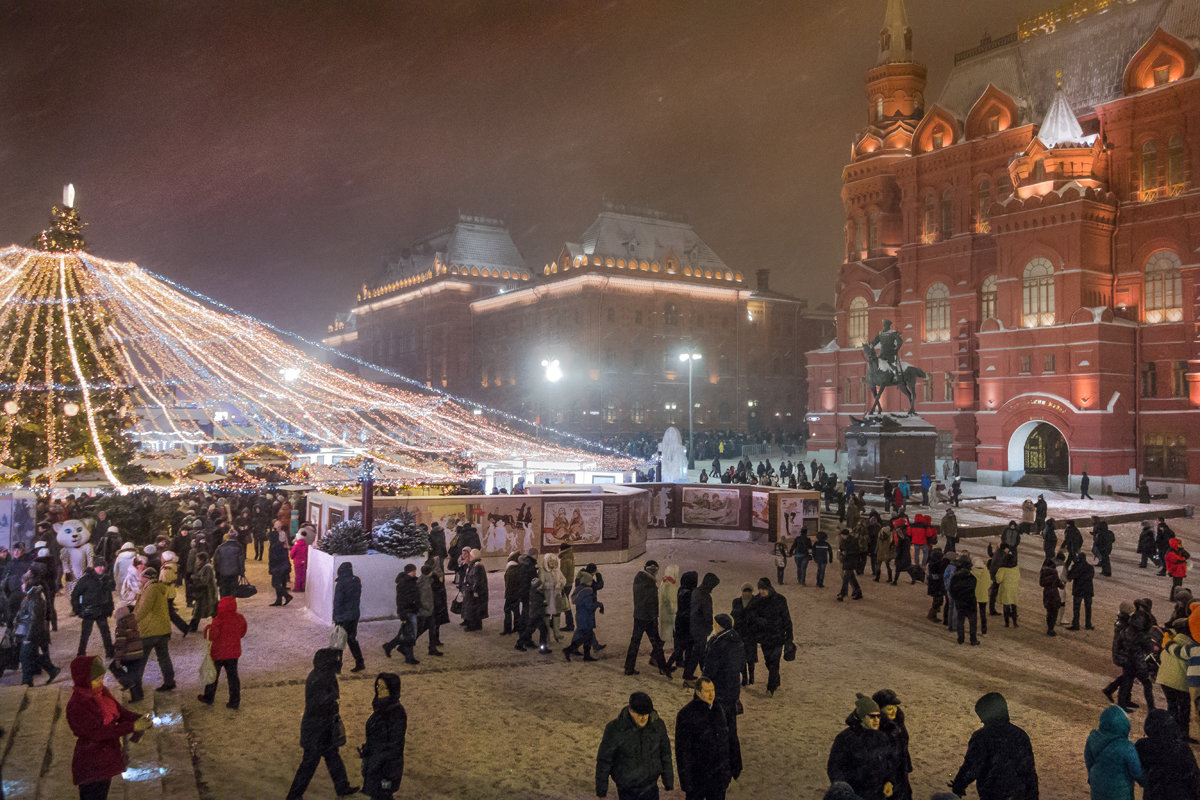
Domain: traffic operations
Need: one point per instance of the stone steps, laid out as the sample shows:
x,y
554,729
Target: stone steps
x,y
37,747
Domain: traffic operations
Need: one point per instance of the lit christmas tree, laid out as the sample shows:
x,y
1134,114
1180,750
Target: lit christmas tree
x,y
60,396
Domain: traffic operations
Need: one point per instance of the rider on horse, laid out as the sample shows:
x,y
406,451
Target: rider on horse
x,y
889,342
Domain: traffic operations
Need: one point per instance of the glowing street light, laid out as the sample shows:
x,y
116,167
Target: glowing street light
x,y
554,371
690,357
290,374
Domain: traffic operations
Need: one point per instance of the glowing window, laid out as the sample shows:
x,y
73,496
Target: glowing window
x,y
987,298
983,203
937,313
1164,287
1175,161
1037,294
1162,75
939,139
929,226
947,214
857,323
1149,165
873,232
860,238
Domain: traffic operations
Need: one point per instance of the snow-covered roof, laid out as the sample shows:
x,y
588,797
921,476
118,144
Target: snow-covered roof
x,y
648,238
1091,52
1060,125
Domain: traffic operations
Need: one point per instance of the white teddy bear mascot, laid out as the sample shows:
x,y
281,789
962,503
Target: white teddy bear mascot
x,y
77,551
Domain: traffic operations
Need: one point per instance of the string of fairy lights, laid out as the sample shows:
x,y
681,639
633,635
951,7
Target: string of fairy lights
x,y
184,361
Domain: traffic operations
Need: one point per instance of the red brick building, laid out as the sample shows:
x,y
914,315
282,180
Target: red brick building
x,y
462,311
1033,234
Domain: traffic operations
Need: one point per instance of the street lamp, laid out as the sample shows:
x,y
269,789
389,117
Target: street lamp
x,y
690,358
554,371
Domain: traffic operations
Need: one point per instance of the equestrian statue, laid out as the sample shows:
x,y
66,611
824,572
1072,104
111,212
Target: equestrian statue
x,y
884,368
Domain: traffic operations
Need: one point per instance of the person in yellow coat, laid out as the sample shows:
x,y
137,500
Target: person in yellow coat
x,y
1008,579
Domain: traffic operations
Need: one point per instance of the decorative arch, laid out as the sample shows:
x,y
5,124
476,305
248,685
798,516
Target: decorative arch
x,y
1037,293
1162,59
937,313
1163,287
937,122
994,111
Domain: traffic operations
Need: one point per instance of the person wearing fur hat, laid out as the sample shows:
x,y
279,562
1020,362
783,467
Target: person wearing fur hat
x,y
635,753
999,759
864,756
92,602
383,751
154,626
892,723
99,723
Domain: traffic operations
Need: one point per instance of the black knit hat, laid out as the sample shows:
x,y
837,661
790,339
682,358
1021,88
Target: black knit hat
x,y
640,703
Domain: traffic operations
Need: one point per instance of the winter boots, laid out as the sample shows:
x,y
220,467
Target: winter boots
x,y
1010,612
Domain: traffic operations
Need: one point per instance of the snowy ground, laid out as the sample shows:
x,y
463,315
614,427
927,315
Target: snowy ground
x,y
487,721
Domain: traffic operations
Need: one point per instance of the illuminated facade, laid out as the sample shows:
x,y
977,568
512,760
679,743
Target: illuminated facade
x,y
1033,236
615,311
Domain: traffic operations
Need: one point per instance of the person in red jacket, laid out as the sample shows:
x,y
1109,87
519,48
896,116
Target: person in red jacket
x,y
1176,561
226,632
98,721
919,532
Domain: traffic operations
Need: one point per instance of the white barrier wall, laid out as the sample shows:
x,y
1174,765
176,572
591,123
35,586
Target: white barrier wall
x,y
376,571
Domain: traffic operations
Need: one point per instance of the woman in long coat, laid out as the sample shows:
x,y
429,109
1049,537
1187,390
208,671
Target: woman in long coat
x,y
1008,582
99,722
280,568
299,556
475,594
668,601
383,752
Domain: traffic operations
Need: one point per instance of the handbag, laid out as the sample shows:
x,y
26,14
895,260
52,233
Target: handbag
x,y
456,605
244,588
789,651
208,668
339,730
338,638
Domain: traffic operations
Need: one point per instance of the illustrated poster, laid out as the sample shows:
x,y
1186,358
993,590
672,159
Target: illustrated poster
x,y
572,522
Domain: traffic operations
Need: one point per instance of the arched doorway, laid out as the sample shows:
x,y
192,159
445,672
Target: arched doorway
x,y
1039,450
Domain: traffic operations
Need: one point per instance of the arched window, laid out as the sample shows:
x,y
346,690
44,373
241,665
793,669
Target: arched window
x,y
983,206
873,233
1149,165
860,237
937,313
987,298
1175,163
857,323
670,314
929,225
947,214
1037,298
1164,287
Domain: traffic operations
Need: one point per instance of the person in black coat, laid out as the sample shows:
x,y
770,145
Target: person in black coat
x,y
408,607
999,758
1146,545
383,751
741,624
864,756
1081,574
645,620
475,593
962,595
724,656
347,592
92,601
1162,543
771,623
700,622
279,564
891,722
702,745
321,728
682,634
1169,769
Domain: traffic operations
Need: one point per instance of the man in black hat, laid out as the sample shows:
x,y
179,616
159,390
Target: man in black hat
x,y
635,752
645,620
91,600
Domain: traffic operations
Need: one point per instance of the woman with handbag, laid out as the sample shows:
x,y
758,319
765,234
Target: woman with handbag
x,y
225,635
321,730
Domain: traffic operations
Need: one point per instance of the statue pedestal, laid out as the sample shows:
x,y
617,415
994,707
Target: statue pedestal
x,y
891,446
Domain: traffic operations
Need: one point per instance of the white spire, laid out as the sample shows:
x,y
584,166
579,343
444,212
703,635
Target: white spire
x,y
1060,125
895,39
69,195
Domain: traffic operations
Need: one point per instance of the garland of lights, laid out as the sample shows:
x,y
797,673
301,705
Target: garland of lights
x,y
184,357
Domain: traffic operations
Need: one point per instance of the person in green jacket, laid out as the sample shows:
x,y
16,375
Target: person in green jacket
x,y
635,752
154,626
1112,761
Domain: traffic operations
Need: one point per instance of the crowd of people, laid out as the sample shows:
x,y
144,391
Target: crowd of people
x,y
205,542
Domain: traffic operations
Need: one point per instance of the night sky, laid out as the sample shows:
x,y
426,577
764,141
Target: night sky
x,y
270,154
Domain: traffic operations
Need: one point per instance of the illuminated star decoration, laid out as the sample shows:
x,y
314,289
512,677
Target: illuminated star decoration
x,y
184,364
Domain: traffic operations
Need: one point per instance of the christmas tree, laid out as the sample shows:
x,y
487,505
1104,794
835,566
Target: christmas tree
x,y
62,397
401,537
347,538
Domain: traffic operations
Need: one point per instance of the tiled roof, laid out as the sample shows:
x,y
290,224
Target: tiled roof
x,y
1092,53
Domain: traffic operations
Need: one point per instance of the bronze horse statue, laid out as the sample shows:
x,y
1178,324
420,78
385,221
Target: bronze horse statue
x,y
879,379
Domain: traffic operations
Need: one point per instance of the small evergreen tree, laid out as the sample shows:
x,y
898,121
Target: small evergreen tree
x,y
400,536
347,538
65,234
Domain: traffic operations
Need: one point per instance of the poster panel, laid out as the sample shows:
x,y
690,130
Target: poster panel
x,y
703,507
660,506
759,513
573,522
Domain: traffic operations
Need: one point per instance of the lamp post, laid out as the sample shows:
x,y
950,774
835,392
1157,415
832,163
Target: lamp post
x,y
690,357
367,478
